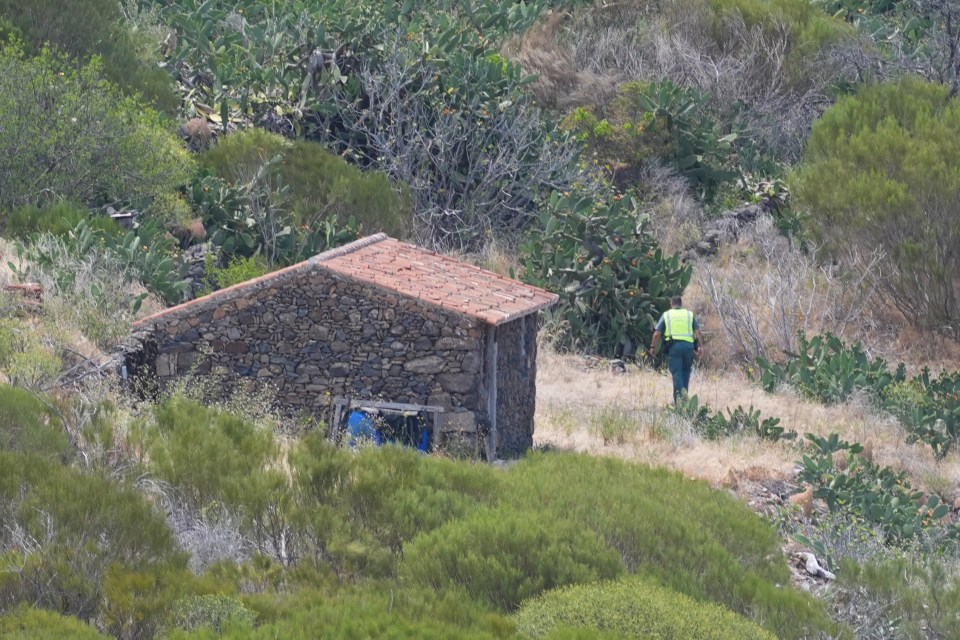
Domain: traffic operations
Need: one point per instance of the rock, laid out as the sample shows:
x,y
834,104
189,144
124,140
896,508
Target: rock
x,y
428,364
813,567
457,382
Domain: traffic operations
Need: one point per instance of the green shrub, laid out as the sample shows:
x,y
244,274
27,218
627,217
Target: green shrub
x,y
874,493
504,556
676,531
209,455
27,358
906,596
238,270
633,608
144,256
136,603
357,512
373,610
58,219
93,28
28,623
321,186
658,122
826,369
65,528
878,171
27,425
69,134
612,278
736,421
217,612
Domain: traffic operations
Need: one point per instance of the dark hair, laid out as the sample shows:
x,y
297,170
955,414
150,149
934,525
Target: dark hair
x,y
676,301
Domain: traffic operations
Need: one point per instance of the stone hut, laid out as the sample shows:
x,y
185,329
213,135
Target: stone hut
x,y
377,319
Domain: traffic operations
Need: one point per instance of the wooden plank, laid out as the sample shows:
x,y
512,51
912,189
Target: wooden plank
x,y
377,404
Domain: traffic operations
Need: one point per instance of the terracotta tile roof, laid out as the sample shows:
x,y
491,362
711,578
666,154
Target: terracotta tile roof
x,y
437,279
403,268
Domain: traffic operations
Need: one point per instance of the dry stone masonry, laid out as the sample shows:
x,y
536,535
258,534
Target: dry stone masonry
x,y
446,334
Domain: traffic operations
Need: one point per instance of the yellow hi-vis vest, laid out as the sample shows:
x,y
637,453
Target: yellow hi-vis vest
x,y
678,325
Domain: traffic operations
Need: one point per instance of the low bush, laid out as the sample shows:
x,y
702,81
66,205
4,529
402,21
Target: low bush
x,y
28,623
909,596
319,185
65,528
736,421
633,608
28,425
215,612
28,358
372,610
94,28
238,270
678,532
825,369
93,146
504,556
357,512
877,494
59,219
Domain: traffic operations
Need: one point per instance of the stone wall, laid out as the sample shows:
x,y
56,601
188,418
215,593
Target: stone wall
x,y
516,385
312,335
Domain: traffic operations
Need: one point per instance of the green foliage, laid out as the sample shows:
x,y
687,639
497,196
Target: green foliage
x,y
180,444
879,171
70,135
216,612
92,28
662,122
145,255
58,219
415,90
633,608
67,527
27,358
321,186
27,425
909,596
680,533
503,556
237,271
358,511
28,623
253,220
876,494
736,421
612,278
374,610
810,29
824,368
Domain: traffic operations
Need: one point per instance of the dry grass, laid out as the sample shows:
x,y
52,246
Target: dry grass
x,y
575,399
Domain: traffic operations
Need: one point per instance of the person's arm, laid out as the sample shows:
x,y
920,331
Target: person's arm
x,y
699,338
653,343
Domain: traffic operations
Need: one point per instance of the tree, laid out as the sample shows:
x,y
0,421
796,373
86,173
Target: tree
x,y
880,171
69,134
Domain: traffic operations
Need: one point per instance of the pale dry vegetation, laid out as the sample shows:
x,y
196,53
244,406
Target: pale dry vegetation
x,y
582,402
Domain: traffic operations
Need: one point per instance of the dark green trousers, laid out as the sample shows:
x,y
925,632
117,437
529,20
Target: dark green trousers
x,y
680,362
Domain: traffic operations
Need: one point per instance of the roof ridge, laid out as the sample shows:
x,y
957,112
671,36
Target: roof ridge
x,y
350,247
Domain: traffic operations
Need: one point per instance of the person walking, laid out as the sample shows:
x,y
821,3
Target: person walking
x,y
681,333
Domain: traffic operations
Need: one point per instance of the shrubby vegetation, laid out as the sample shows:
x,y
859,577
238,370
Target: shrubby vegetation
x,y
879,171
632,608
826,369
451,544
613,279
60,121
313,124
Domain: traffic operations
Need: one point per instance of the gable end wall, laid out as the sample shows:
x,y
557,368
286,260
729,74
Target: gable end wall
x,y
319,335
